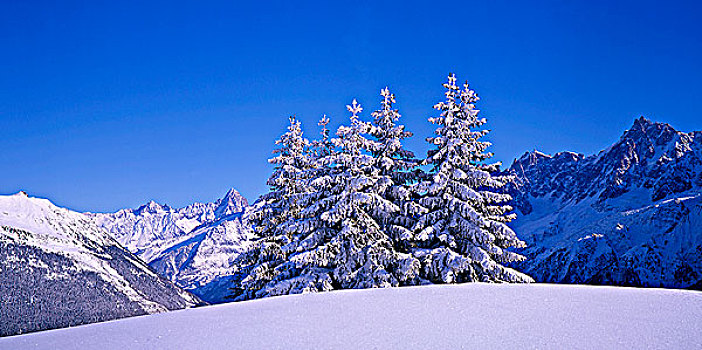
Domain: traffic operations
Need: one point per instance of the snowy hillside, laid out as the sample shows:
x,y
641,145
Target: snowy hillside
x,y
58,269
473,315
629,215
193,246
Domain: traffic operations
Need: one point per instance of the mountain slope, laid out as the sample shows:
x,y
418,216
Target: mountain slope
x,y
58,269
629,215
471,315
194,247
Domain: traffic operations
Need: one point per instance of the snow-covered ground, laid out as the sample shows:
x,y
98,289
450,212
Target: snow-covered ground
x,y
471,315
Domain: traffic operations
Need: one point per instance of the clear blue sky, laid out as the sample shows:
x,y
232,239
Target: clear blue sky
x,y
105,105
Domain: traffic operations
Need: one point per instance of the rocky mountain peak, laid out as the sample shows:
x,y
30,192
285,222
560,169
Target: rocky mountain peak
x,y
537,158
153,207
645,136
232,202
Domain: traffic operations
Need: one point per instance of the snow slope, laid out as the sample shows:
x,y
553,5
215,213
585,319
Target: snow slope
x,y
194,246
58,269
474,315
629,215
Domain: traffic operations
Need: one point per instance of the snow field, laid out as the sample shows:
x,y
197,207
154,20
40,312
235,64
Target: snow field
x,y
474,315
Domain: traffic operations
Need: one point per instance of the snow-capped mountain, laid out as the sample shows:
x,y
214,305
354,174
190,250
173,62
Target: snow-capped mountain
x,y
59,269
629,215
194,246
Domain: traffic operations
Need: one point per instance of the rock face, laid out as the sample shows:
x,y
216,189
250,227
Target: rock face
x,y
194,247
59,269
629,215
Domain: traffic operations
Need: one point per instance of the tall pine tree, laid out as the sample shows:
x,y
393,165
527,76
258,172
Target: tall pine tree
x,y
398,168
464,236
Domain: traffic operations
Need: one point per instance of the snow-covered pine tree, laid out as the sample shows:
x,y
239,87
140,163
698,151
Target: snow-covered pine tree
x,y
367,257
338,244
291,163
464,237
398,168
281,204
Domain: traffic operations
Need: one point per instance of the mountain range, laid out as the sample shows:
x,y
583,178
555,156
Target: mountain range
x,y
194,246
628,215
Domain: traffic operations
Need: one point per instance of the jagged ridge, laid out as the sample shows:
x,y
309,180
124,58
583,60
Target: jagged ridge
x,y
194,246
629,215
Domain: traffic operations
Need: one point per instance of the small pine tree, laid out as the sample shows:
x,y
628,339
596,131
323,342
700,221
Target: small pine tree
x,y
463,237
292,161
280,205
